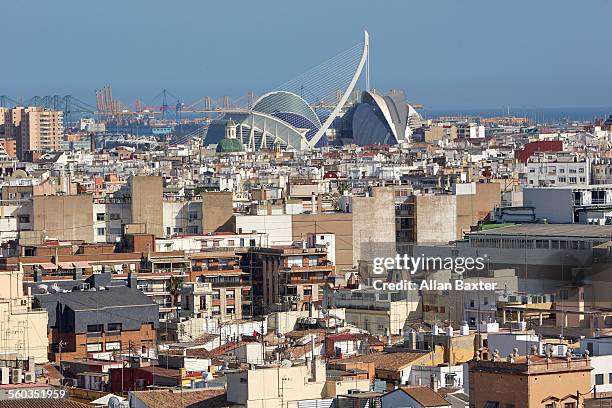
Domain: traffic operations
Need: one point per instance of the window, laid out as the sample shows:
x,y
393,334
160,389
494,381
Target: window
x,y
100,217
307,291
93,347
101,231
294,261
114,216
24,219
569,405
572,179
229,310
95,328
114,326
610,378
599,379
229,294
113,345
561,179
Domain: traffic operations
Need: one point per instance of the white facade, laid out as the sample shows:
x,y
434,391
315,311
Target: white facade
x,y
552,169
561,205
278,228
109,217
199,243
182,217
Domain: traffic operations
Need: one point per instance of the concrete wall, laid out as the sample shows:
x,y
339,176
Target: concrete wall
x,y
147,203
339,224
64,217
436,220
374,225
476,206
217,211
554,204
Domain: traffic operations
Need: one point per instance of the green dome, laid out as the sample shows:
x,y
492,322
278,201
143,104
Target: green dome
x,y
230,146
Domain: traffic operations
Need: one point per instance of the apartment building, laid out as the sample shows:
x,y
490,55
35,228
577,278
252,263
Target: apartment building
x,y
557,169
584,204
230,285
278,387
288,277
376,311
529,381
24,327
98,317
34,129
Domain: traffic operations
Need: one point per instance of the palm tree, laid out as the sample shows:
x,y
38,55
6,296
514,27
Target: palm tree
x,y
173,286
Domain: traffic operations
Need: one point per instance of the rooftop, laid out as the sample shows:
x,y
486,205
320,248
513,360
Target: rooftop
x,y
550,230
210,398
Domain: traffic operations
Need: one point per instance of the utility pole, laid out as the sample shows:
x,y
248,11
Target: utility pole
x,y
61,345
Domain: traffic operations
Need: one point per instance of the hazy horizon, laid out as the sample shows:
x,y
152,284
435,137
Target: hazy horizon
x,y
446,55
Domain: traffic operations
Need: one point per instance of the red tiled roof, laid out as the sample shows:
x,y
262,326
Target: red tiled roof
x,y
211,398
538,146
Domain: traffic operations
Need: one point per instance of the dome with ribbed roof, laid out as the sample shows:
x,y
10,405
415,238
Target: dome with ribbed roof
x,y
230,146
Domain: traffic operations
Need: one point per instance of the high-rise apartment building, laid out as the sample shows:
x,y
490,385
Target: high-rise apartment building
x,y
34,128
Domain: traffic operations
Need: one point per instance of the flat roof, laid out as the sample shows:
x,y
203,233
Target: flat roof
x,y
550,230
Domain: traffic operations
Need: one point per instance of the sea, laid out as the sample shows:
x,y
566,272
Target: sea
x,y
537,115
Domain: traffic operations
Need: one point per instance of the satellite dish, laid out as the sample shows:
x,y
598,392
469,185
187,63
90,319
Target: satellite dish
x,y
114,402
286,363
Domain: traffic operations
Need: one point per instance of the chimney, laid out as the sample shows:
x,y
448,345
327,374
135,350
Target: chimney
x,y
132,280
433,383
313,203
412,340
38,274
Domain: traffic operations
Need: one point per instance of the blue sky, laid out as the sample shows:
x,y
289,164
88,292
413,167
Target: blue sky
x,y
443,53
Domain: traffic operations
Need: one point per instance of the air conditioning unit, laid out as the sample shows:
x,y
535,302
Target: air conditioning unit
x,y
29,377
5,375
16,376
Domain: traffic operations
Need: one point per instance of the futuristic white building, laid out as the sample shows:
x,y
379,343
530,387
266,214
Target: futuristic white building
x,y
380,119
284,118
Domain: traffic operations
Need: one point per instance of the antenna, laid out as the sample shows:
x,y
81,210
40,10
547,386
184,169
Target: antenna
x,y
367,67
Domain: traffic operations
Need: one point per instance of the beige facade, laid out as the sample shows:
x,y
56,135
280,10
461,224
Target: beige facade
x,y
340,224
530,382
276,387
475,207
24,330
64,217
217,212
147,204
34,128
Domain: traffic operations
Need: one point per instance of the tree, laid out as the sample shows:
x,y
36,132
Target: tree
x,y
173,286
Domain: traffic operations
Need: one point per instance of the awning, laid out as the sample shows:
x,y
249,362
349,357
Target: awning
x,y
48,266
65,265
81,265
